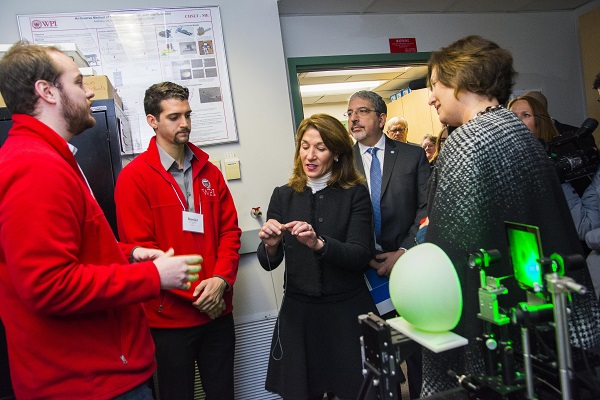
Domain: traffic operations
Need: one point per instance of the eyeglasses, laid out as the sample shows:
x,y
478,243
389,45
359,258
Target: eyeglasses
x,y
361,111
397,130
429,146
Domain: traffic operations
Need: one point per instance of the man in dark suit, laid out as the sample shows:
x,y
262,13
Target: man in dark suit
x,y
403,175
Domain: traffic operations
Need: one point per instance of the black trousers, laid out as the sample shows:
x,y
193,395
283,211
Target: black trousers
x,y
414,370
210,346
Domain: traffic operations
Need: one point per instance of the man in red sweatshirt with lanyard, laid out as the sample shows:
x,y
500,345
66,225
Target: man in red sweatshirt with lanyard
x,y
172,196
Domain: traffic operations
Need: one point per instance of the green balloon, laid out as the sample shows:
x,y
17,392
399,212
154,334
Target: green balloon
x,y
425,289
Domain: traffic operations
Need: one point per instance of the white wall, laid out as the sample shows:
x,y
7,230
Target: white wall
x,y
545,46
262,111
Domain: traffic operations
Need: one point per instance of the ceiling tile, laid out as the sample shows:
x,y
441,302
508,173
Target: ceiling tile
x,y
322,7
409,6
340,7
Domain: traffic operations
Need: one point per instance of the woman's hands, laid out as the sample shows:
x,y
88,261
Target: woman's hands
x,y
272,232
305,234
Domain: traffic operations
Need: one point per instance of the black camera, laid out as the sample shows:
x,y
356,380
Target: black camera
x,y
574,154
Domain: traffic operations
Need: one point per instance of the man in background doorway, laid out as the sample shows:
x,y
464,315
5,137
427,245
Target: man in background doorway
x,y
397,175
397,129
173,196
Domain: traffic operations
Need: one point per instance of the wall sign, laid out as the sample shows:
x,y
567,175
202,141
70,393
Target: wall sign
x,y
137,48
403,45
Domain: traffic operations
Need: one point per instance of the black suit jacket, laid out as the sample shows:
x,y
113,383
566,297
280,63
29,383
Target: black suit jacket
x,y
403,192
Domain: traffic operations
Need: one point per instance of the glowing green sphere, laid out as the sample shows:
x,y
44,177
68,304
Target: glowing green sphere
x,y
425,289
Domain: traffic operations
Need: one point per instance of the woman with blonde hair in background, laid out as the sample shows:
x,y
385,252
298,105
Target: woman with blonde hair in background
x,y
535,117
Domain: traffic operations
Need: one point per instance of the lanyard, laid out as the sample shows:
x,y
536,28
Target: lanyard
x,y
178,198
196,195
86,181
191,221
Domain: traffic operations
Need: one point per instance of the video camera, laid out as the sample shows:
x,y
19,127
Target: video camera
x,y
574,154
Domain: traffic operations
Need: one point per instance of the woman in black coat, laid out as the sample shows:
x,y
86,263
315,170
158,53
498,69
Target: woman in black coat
x,y
321,223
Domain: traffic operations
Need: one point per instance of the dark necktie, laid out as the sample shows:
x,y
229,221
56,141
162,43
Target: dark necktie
x,y
375,181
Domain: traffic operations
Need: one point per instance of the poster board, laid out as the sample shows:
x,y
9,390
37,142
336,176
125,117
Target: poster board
x,y
137,48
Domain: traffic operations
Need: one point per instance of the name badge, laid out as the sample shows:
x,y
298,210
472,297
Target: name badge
x,y
193,222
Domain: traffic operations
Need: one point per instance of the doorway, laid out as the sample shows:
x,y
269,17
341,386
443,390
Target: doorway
x,y
300,65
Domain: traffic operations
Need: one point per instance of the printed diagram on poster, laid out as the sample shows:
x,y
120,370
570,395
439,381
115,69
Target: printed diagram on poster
x,y
137,48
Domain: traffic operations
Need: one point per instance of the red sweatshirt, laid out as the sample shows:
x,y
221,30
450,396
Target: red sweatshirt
x,y
68,299
149,214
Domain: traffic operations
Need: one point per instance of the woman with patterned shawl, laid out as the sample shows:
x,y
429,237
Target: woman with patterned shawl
x,y
491,170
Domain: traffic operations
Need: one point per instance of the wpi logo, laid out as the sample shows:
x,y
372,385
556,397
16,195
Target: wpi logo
x,y
208,191
38,24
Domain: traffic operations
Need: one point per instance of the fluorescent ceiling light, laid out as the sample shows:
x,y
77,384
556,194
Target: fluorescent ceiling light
x,y
337,72
339,88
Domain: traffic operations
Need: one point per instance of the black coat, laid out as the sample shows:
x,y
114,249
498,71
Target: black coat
x,y
315,346
343,217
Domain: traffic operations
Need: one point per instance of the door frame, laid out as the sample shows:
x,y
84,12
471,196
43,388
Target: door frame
x,y
323,63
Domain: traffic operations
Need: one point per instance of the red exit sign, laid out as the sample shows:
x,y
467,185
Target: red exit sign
x,y
403,45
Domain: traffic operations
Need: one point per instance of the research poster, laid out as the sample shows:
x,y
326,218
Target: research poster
x,y
137,48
